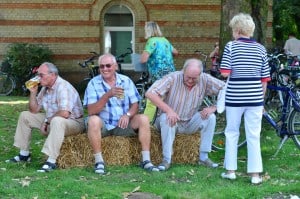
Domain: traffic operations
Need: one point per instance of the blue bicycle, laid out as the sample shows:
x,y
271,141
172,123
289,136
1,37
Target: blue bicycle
x,y
287,122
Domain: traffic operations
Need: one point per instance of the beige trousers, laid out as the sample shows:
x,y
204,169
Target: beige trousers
x,y
58,129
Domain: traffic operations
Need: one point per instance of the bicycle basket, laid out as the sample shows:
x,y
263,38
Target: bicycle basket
x,y
138,66
5,67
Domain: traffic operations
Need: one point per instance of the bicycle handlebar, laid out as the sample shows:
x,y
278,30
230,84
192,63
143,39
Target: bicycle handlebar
x,y
121,57
89,60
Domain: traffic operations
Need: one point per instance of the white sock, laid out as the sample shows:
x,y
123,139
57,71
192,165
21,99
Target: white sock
x,y
24,153
98,157
146,155
51,160
203,156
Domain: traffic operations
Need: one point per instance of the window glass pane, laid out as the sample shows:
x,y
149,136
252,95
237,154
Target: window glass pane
x,y
118,20
120,41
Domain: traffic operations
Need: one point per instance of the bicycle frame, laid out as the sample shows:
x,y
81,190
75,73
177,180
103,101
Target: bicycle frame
x,y
282,126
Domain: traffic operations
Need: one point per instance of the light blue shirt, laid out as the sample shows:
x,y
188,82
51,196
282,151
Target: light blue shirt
x,y
115,107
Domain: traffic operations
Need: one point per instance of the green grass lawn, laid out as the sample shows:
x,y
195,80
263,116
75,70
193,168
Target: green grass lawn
x,y
182,181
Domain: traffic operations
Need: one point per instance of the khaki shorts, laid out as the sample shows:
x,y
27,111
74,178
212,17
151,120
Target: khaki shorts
x,y
128,132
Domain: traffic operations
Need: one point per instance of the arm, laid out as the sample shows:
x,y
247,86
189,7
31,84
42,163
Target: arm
x,y
157,101
144,57
175,52
33,103
214,52
95,108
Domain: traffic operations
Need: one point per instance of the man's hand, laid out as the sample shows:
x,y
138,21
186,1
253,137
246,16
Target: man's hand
x,y
116,92
44,129
172,117
124,121
206,112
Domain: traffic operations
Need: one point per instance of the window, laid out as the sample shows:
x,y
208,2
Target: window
x,y
119,32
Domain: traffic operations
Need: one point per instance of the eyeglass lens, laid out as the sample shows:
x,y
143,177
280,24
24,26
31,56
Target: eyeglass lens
x,y
105,65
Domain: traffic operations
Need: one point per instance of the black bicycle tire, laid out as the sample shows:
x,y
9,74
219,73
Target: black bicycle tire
x,y
294,115
221,146
7,84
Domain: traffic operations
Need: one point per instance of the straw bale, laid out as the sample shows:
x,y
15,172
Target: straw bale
x,y
77,152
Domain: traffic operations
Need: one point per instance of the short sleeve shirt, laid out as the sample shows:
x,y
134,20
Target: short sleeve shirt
x,y
115,107
160,61
61,96
183,101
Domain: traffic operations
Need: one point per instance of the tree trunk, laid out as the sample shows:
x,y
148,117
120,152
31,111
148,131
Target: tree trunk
x,y
258,9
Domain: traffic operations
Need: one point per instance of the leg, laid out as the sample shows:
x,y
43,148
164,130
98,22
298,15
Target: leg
x,y
27,121
167,137
95,126
253,117
233,117
207,127
141,122
58,129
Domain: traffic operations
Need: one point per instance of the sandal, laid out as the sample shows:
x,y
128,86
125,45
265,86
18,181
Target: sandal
x,y
20,158
47,167
164,166
147,165
99,168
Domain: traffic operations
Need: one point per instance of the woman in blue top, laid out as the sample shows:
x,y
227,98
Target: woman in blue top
x,y
245,63
158,52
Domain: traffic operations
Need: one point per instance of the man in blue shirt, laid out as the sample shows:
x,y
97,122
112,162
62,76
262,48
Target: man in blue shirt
x,y
112,103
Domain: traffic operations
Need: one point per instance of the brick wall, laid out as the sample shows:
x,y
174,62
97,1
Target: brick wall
x,y
73,28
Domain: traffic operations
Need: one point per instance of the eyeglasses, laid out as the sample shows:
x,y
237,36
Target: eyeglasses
x,y
102,66
41,75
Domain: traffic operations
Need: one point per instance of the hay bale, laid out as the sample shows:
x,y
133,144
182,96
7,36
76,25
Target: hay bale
x,y
77,152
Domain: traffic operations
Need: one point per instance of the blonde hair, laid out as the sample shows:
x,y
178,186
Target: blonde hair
x,y
152,30
243,23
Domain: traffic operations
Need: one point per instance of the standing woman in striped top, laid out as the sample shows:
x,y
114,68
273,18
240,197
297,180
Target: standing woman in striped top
x,y
245,63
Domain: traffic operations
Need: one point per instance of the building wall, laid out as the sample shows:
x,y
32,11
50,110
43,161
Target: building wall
x,y
73,28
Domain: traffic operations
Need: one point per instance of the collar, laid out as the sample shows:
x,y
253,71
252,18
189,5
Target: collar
x,y
244,39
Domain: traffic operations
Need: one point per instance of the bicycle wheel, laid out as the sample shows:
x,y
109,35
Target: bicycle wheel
x,y
294,126
7,84
219,135
82,86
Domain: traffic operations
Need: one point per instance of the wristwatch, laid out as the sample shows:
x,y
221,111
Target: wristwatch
x,y
128,114
46,121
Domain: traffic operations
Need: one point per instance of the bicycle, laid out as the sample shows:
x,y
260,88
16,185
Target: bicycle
x,y
8,81
7,84
92,71
121,58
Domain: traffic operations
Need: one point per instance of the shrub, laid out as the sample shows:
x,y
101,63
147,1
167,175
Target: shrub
x,y
21,57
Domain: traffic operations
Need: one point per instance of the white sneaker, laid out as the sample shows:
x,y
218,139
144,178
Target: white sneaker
x,y
256,180
230,176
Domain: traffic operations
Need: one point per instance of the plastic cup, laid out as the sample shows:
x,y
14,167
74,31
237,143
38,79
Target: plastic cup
x,y
32,82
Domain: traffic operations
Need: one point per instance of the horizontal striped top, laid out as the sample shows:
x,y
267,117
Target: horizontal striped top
x,y
183,101
247,62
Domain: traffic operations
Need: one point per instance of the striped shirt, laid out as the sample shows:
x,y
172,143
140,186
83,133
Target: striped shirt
x,y
61,96
183,101
115,107
247,62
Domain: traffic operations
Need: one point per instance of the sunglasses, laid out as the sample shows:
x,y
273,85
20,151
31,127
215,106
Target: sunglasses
x,y
102,66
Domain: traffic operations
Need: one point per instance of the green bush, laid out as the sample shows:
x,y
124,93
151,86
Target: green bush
x,y
21,57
